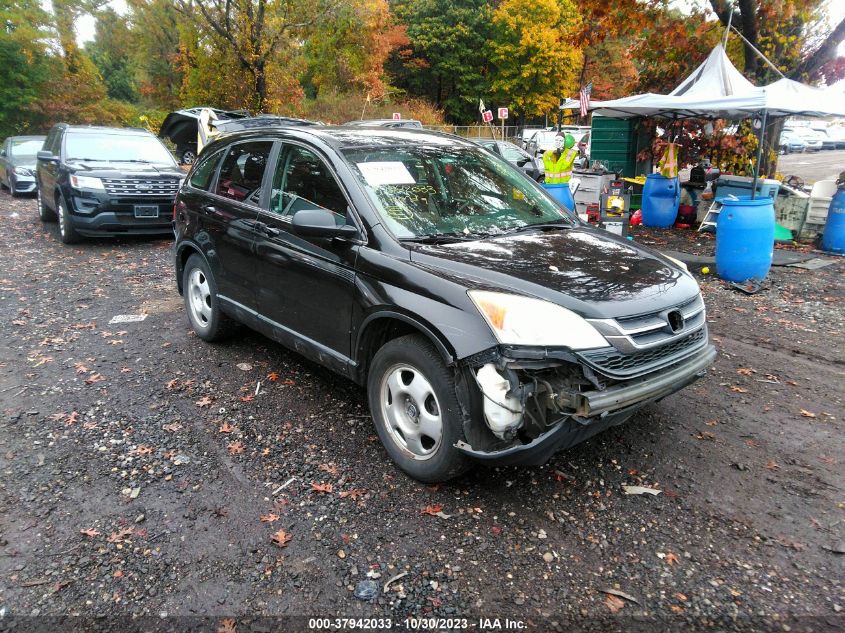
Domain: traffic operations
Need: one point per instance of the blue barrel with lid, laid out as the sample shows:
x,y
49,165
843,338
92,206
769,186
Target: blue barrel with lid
x,y
661,196
745,238
833,238
562,194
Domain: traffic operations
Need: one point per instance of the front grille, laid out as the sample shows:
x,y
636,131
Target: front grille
x,y
137,187
615,363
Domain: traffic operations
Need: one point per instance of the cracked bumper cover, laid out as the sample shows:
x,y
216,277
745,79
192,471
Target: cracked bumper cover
x,y
599,410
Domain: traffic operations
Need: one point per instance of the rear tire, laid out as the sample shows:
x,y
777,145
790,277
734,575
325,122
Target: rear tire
x,y
67,233
46,215
201,302
187,156
413,402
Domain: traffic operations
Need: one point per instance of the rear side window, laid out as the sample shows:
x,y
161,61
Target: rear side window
x,y
243,170
201,178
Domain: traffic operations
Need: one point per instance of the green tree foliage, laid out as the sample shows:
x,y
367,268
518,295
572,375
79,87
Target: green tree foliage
x,y
445,56
158,33
112,54
24,65
535,54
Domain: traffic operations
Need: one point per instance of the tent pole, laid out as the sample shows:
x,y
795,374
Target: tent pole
x,y
759,155
728,28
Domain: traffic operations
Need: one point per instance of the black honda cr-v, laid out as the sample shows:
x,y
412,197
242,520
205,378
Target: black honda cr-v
x,y
106,181
486,322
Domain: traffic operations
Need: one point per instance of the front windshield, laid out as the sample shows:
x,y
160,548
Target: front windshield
x,y
117,148
26,149
424,191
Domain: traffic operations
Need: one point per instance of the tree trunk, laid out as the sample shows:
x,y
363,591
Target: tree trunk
x,y
260,87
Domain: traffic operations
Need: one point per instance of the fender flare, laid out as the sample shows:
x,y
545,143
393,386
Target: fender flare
x,y
430,333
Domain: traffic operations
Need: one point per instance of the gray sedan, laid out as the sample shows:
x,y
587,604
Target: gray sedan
x,y
515,155
17,163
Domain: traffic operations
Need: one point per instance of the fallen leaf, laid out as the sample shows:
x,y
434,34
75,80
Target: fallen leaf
x,y
706,435
72,418
329,468
807,414
353,494
91,532
671,558
95,377
432,509
613,603
227,428
737,389
640,490
269,518
324,488
173,384
281,538
119,536
745,371
273,376
81,369
204,401
772,466
496,530
118,574
682,597
248,398
236,447
141,450
227,625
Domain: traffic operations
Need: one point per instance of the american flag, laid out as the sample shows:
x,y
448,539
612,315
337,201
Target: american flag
x,y
584,97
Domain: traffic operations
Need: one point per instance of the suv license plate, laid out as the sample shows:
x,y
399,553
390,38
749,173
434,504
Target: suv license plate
x,y
146,210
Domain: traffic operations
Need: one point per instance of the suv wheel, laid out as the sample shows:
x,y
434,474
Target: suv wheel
x,y
67,233
200,292
415,409
44,213
188,157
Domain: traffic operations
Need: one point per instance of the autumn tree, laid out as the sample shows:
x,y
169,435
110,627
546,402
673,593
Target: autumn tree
x,y
444,58
157,30
111,51
257,32
24,63
533,51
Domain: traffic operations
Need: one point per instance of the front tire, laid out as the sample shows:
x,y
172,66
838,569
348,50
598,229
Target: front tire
x,y
45,214
415,409
200,293
187,156
13,189
67,233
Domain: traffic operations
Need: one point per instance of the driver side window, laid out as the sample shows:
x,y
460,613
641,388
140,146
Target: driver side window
x,y
242,172
303,181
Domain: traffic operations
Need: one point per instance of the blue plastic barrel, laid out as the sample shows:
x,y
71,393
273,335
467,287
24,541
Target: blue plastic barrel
x,y
745,238
833,238
661,196
562,194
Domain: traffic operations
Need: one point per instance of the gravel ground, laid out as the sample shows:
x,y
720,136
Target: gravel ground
x,y
146,473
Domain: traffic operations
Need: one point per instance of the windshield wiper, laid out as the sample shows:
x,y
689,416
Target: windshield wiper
x,y
541,226
131,160
443,238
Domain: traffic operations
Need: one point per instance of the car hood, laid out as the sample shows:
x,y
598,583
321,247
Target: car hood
x,y
589,271
27,163
124,170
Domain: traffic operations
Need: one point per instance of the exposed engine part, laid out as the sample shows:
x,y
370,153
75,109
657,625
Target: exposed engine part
x,y
503,412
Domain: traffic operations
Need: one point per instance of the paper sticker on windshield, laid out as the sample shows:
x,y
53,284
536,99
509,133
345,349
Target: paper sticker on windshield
x,y
380,173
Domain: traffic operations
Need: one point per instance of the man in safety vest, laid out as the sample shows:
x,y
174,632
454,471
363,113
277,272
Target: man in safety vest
x,y
558,161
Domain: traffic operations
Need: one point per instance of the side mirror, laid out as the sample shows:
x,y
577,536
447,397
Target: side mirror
x,y
3,153
47,156
320,223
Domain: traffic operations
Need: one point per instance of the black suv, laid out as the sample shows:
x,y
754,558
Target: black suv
x,y
486,321
106,181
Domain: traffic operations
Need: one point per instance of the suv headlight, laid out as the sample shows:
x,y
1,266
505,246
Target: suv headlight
x,y
517,320
85,182
23,171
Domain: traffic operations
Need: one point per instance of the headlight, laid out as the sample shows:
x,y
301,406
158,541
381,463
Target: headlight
x,y
679,263
85,182
23,171
517,320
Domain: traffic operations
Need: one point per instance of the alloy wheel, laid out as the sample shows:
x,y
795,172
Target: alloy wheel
x,y
199,295
411,411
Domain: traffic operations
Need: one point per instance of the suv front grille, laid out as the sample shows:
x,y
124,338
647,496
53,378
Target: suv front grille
x,y
615,363
137,187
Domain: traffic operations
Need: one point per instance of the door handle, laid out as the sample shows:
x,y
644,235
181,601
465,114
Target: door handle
x,y
210,208
270,231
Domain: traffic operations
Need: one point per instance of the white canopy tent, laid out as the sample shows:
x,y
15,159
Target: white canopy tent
x,y
717,90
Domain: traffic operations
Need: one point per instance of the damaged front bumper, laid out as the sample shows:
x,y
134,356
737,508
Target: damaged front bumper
x,y
576,414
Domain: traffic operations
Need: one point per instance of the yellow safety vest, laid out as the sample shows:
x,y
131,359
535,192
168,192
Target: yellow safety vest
x,y
668,165
560,171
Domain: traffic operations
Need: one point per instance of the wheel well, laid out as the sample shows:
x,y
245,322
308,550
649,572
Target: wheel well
x,y
182,259
384,329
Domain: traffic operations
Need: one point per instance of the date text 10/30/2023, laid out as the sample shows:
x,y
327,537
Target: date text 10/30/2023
x,y
417,624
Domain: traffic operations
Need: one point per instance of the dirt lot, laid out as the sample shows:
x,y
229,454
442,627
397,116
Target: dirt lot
x,y
145,473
